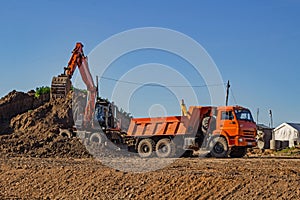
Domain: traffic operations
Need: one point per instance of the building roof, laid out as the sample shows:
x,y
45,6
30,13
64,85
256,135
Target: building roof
x,y
287,131
263,126
295,126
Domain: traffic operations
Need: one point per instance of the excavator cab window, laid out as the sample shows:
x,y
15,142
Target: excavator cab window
x,y
103,114
99,114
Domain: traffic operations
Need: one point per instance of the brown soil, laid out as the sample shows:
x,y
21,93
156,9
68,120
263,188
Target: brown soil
x,y
15,103
186,178
35,132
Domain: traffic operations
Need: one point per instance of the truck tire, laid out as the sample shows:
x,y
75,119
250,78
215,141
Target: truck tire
x,y
205,124
238,152
165,148
97,138
145,148
218,147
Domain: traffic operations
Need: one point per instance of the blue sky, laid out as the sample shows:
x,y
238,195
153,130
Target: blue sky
x,y
253,43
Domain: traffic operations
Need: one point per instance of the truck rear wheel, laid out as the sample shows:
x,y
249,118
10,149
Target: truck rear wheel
x,y
145,148
165,148
238,152
218,147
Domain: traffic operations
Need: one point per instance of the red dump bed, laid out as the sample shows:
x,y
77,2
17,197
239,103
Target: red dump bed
x,y
173,125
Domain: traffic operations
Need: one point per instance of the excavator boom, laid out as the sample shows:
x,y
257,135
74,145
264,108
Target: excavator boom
x,y
61,85
92,90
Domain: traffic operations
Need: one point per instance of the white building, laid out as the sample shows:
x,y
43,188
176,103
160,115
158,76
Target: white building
x,y
287,135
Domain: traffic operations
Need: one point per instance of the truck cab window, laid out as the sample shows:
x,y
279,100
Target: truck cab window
x,y
227,115
243,114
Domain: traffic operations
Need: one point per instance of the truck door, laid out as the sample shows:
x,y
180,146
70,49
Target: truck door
x,y
228,122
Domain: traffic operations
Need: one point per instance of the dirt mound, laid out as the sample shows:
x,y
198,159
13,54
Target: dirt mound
x,y
15,103
36,132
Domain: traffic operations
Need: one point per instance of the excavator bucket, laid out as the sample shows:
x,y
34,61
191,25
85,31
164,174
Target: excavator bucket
x,y
60,86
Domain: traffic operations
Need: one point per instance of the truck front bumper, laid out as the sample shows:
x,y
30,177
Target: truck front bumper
x,y
241,141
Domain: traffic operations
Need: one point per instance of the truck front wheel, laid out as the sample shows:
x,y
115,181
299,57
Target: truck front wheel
x,y
165,148
145,148
218,147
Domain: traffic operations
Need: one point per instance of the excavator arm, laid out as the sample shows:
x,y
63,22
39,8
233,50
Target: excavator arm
x,y
75,60
61,85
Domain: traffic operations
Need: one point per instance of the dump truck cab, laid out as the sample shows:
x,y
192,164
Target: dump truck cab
x,y
234,131
236,124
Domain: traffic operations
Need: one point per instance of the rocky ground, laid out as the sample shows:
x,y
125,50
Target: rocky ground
x,y
36,162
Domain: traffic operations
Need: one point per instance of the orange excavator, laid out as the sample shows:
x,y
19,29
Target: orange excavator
x,y
61,85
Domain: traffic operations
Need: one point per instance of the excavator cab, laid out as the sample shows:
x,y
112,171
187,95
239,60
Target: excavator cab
x,y
104,114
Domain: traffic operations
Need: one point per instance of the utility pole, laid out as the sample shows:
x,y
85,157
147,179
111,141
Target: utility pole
x,y
227,92
271,118
97,87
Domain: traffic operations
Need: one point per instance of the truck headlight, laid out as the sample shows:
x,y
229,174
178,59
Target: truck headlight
x,y
241,140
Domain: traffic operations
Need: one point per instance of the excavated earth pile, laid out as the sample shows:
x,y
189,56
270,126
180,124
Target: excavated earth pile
x,y
15,103
35,132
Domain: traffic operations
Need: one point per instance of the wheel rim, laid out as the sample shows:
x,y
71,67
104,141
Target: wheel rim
x,y
145,149
219,148
163,148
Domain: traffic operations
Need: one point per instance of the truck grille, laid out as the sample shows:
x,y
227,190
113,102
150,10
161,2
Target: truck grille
x,y
248,133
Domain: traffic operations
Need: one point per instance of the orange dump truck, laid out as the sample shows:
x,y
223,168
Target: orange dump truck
x,y
223,131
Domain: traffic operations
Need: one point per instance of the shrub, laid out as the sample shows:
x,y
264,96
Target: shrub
x,y
41,90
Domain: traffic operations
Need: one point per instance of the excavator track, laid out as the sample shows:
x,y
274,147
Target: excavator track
x,y
60,86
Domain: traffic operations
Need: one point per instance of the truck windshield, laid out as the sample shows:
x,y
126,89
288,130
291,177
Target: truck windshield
x,y
243,114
